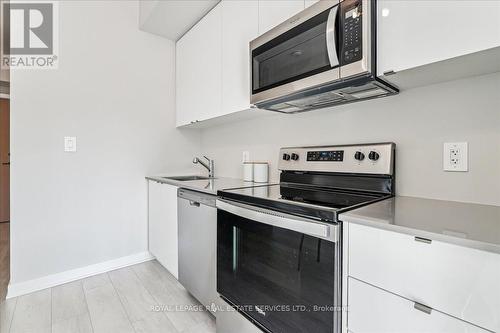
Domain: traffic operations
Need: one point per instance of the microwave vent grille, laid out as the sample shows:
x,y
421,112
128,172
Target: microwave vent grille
x,y
303,102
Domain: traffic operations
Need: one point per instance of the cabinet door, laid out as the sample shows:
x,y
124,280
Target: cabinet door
x,y
375,310
456,280
415,33
239,27
199,70
162,205
274,12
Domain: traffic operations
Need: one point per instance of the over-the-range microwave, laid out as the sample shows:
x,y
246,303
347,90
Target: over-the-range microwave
x,y
323,56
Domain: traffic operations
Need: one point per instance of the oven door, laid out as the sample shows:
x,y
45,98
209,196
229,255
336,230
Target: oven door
x,y
279,270
298,54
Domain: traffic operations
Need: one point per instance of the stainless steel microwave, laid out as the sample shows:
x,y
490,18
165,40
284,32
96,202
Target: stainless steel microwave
x,y
323,56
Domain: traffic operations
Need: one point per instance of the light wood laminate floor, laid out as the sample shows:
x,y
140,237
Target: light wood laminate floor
x,y
140,298
4,259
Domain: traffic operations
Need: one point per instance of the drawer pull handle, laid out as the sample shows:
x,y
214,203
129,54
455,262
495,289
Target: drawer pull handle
x,y
423,308
423,240
194,203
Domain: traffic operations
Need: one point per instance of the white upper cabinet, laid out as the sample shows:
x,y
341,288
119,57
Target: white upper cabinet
x,y
274,12
199,70
415,33
239,27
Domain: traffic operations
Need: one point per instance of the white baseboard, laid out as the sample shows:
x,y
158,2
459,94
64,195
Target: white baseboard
x,y
26,287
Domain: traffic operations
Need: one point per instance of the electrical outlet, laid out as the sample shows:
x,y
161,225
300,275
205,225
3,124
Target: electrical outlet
x,y
70,144
245,157
455,156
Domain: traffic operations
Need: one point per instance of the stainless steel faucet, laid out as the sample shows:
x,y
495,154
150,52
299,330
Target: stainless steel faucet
x,y
209,166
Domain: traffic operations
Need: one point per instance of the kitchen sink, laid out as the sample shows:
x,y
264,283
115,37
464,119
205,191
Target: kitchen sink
x,y
186,178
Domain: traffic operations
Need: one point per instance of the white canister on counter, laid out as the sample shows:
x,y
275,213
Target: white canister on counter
x,y
260,172
248,171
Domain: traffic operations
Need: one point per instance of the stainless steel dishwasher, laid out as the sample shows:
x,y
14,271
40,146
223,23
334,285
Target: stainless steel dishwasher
x,y
197,220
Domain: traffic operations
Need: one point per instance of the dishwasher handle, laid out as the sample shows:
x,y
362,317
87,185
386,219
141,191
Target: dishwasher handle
x,y
196,199
286,221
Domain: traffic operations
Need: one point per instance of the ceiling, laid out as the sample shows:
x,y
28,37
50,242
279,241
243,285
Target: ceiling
x,y
172,18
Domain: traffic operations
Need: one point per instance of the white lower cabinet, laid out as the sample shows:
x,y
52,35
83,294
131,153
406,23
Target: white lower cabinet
x,y
373,310
162,225
459,281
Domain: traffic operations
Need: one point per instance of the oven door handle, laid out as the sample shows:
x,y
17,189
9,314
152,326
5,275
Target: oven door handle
x,y
286,221
330,37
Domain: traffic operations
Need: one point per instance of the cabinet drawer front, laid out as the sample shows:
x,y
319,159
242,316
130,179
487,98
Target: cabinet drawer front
x,y
459,281
375,310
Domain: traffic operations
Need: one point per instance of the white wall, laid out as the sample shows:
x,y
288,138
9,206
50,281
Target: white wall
x,y
417,120
114,90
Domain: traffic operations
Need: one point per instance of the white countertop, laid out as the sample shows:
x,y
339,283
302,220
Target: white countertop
x,y
210,186
466,224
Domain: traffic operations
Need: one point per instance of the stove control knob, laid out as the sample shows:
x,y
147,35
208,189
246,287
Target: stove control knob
x,y
373,155
286,157
295,157
359,156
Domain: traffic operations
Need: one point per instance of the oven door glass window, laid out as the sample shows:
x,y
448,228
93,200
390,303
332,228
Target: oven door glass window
x,y
282,279
297,53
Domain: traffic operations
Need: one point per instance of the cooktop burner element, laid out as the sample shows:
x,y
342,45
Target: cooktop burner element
x,y
321,182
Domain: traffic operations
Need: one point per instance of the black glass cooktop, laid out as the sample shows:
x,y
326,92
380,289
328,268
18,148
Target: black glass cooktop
x,y
309,201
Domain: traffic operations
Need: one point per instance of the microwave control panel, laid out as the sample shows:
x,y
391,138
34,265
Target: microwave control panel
x,y
351,12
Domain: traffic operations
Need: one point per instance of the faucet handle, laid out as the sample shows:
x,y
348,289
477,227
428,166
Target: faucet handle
x,y
207,158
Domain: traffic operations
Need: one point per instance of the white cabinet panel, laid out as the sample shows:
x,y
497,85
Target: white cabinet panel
x,y
4,72
372,310
274,12
308,3
199,70
415,33
459,281
239,27
162,224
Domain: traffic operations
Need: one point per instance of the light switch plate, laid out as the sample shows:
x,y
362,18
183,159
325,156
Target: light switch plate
x,y
455,156
70,144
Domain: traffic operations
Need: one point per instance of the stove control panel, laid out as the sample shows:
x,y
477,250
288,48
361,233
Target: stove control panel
x,y
325,156
377,158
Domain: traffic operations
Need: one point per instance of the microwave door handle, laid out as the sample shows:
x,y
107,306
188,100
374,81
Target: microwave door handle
x,y
330,37
285,221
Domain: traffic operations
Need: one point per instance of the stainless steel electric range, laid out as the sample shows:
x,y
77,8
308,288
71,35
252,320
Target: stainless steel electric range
x,y
279,253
